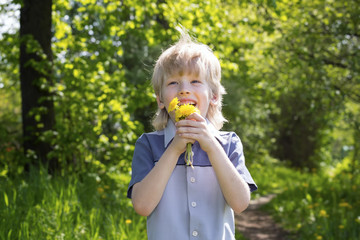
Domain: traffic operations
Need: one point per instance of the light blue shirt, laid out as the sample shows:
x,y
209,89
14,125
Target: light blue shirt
x,y
192,206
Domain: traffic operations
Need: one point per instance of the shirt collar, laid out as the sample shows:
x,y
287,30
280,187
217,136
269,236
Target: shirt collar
x,y
170,130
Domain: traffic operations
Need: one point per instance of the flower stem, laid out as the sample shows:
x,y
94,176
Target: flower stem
x,y
189,155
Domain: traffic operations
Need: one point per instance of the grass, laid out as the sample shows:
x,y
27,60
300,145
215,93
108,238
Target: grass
x,y
89,206
35,205
318,205
239,236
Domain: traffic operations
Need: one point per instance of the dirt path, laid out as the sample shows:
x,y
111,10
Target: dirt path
x,y
258,225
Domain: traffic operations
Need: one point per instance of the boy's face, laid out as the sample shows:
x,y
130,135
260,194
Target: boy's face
x,y
188,89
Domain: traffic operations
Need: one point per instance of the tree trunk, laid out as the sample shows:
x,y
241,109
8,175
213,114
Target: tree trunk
x,y
36,79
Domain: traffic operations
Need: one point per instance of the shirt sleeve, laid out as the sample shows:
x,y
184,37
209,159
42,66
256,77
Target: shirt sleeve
x,y
236,156
142,162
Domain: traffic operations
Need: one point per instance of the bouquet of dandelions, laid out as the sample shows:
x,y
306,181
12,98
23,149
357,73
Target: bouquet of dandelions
x,y
182,112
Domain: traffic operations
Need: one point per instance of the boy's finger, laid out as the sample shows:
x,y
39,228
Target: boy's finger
x,y
195,116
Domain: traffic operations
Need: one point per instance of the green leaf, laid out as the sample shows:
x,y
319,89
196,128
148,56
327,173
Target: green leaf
x,y
6,199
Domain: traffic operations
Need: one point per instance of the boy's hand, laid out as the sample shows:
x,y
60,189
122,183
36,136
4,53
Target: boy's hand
x,y
194,128
179,143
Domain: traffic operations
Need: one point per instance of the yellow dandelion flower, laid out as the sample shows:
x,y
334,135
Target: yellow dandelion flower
x,y
173,104
323,213
178,116
345,205
184,111
318,237
100,190
128,221
181,112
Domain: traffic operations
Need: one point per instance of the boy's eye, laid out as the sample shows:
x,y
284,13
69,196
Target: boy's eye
x,y
195,81
172,83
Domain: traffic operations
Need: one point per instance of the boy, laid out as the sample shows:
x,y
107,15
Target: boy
x,y
183,202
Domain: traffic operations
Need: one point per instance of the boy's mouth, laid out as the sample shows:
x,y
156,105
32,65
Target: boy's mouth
x,y
190,102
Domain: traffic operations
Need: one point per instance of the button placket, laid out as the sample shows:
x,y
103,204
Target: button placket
x,y
192,203
192,181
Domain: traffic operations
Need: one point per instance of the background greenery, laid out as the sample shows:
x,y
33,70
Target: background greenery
x,y
291,70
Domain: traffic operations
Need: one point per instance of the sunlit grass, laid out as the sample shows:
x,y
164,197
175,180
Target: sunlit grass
x,y
311,205
88,206
94,206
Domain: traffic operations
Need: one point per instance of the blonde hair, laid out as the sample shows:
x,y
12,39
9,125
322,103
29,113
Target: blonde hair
x,y
189,57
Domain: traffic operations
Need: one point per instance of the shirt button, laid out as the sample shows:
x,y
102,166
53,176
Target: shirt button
x,y
192,179
195,233
193,204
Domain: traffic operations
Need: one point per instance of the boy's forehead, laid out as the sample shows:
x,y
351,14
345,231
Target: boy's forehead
x,y
177,76
183,74
184,65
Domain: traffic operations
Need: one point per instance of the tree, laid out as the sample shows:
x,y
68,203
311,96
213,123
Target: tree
x,y
312,71
287,68
38,116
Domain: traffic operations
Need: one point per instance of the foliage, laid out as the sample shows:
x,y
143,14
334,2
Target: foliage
x,y
321,55
297,71
290,75
94,120
10,107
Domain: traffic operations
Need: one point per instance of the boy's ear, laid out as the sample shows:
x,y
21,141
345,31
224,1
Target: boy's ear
x,y
214,100
161,105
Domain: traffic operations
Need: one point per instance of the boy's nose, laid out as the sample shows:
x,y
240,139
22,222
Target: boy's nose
x,y
184,90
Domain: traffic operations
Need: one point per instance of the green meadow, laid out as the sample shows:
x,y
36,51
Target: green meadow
x,y
36,205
